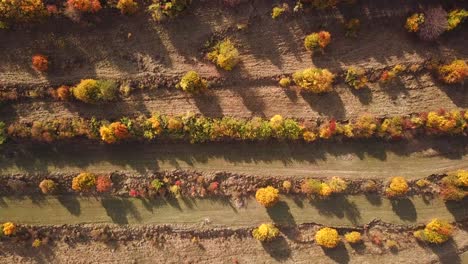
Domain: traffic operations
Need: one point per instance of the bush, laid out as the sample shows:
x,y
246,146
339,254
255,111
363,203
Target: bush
x,y
3,134
103,184
356,78
452,193
40,63
353,237
47,186
225,55
265,232
156,184
435,23
327,237
8,228
455,72
337,185
436,232
287,185
279,10
191,82
390,75
422,183
318,40
63,93
398,187
161,9
114,132
84,182
90,6
413,22
285,82
21,11
455,17
310,187
365,126
315,80
95,91
267,196
127,7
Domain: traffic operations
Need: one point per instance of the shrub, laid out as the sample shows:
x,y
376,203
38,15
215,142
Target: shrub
x,y
285,82
284,128
175,190
127,7
455,17
265,232
414,21
279,10
422,183
40,63
365,126
36,243
315,80
3,134
84,182
436,232
455,72
452,193
352,27
103,184
435,23
287,185
90,6
356,78
9,228
156,184
63,93
353,237
337,185
114,132
398,187
191,82
47,186
94,91
390,75
327,237
161,9
317,40
21,11
391,244
267,196
310,187
225,55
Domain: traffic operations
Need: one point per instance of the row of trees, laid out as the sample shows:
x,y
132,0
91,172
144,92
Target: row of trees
x,y
195,128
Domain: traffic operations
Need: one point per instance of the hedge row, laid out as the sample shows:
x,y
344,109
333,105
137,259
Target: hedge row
x,y
196,129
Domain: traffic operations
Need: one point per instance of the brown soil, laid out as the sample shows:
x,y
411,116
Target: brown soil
x,y
81,244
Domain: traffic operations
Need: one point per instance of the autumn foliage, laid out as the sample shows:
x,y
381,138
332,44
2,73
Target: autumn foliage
x,y
90,6
47,186
315,80
265,232
455,72
84,182
327,237
103,184
267,196
40,63
436,232
114,132
398,187
317,40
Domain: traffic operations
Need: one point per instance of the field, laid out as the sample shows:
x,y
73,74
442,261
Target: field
x,y
113,151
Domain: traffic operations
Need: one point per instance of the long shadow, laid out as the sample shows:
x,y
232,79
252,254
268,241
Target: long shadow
x,y
458,209
329,104
71,203
280,214
278,249
119,210
338,206
338,254
34,157
447,252
405,209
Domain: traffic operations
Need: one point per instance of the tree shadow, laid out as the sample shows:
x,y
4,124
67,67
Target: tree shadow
x,y
405,209
338,206
329,104
119,209
458,209
280,214
278,249
71,203
447,252
364,95
338,254
374,199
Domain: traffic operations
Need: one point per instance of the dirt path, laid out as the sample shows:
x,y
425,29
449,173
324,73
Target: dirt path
x,y
339,211
265,101
367,159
